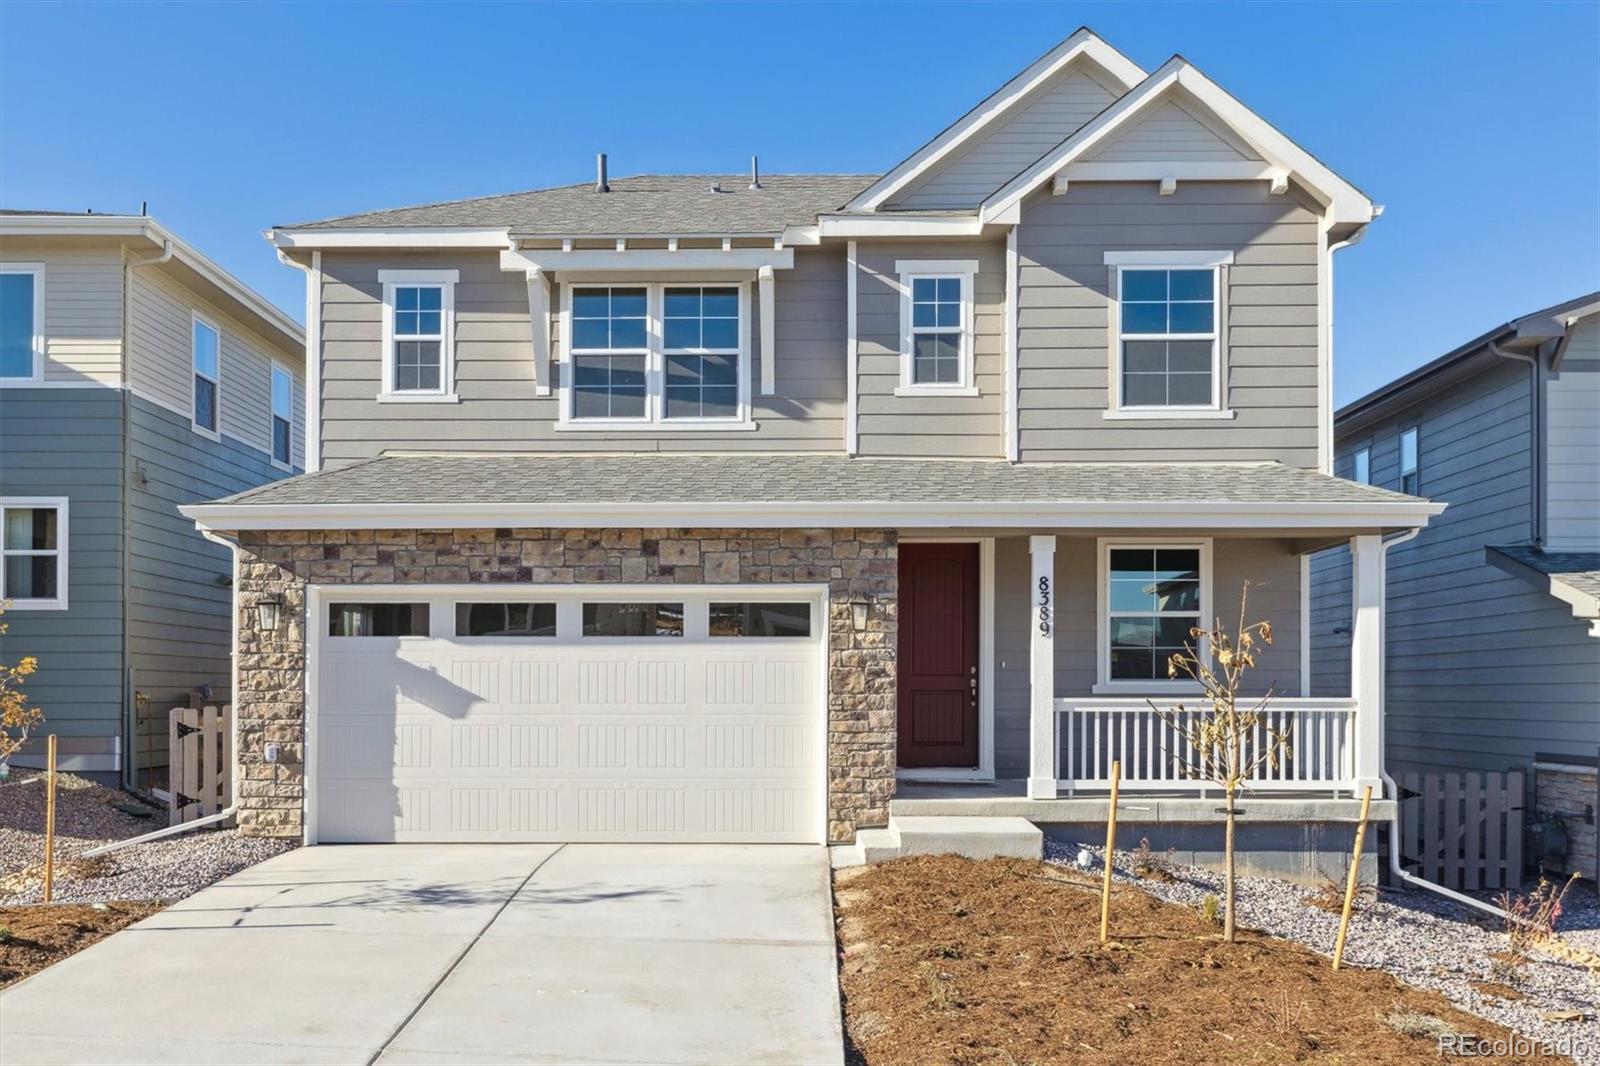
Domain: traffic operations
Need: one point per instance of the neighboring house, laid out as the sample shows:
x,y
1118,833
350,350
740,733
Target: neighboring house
x,y
1493,649
717,508
135,375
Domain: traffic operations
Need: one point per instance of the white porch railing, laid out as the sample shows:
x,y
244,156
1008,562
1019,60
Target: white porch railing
x,y
1156,754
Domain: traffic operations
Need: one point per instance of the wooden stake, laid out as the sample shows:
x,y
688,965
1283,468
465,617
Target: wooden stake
x,y
1350,881
1111,848
50,818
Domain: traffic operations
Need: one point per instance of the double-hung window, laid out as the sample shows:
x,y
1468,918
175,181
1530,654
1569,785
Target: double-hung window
x,y
21,322
418,335
33,553
936,322
1410,461
656,354
206,348
1153,596
1168,344
282,417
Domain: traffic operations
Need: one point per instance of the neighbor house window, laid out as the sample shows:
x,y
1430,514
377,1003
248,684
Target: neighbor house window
x,y
1409,460
633,619
377,619
505,619
1167,328
206,346
936,325
1361,474
21,322
418,335
1154,595
760,620
282,416
700,340
610,353
33,551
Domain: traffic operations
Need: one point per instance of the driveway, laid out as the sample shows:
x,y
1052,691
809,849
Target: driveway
x,y
626,953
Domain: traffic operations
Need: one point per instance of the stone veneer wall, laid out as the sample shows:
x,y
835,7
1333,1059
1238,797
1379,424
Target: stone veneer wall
x,y
859,566
1570,791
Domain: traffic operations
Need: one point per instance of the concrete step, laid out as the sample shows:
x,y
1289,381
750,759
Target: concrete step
x,y
879,845
974,838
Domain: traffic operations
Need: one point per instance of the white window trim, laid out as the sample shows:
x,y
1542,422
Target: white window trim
x,y
37,272
196,318
1218,262
272,416
655,362
1104,685
59,504
446,281
909,270
1365,451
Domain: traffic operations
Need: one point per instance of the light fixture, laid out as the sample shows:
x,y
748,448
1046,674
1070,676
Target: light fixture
x,y
858,616
268,611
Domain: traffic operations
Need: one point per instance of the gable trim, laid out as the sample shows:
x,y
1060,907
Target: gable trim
x,y
1081,45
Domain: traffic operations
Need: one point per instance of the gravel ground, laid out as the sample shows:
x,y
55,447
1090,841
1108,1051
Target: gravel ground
x,y
1421,938
85,818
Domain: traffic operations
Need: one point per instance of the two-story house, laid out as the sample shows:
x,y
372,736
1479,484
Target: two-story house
x,y
722,507
1493,649
136,375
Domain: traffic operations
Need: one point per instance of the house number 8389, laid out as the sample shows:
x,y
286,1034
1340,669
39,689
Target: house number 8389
x,y
1044,606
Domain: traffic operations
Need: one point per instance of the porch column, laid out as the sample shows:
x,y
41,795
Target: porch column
x,y
1366,656
1042,669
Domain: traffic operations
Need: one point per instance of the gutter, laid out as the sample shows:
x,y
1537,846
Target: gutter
x,y
1536,433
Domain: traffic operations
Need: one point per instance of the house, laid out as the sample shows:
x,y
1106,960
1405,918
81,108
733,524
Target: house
x,y
136,375
1494,610
775,507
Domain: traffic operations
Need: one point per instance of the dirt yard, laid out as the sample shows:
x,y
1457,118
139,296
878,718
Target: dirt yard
x,y
32,938
946,960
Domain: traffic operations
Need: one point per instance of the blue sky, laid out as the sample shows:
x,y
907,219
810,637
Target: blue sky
x,y
1477,125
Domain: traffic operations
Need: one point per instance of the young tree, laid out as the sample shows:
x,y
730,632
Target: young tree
x,y
17,718
1222,743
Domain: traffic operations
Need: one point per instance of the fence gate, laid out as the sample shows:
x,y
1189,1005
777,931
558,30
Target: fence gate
x,y
1463,831
201,768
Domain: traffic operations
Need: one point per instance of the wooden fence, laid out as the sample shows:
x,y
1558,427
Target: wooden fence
x,y
200,743
1463,831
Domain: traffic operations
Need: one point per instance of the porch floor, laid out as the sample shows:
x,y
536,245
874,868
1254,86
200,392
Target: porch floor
x,y
1007,798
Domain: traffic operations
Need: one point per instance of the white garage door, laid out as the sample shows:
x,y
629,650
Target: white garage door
x,y
568,716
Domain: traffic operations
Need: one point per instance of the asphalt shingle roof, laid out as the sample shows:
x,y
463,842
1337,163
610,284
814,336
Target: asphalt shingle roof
x,y
646,204
785,478
1576,570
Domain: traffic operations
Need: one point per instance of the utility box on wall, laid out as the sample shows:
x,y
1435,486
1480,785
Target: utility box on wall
x,y
1566,788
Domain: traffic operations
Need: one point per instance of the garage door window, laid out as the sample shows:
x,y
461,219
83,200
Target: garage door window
x,y
760,620
505,619
377,620
633,619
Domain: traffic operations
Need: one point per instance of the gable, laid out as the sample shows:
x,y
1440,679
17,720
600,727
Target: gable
x,y
1046,117
1172,133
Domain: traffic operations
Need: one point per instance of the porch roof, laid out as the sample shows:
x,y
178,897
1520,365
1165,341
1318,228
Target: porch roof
x,y
778,490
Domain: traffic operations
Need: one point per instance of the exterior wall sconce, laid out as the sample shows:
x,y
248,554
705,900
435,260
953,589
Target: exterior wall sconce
x,y
858,616
269,612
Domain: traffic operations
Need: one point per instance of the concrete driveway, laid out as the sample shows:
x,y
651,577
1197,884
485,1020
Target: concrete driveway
x,y
460,954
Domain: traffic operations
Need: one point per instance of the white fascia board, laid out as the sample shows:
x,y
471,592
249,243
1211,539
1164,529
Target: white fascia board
x,y
431,237
1081,45
806,514
889,225
802,235
1344,202
648,259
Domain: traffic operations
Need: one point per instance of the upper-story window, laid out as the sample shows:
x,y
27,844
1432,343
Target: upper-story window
x,y
21,322
33,553
936,314
206,350
418,335
282,416
1410,481
1361,471
662,355
1167,324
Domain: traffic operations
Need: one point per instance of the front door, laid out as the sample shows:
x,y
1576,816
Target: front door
x,y
938,659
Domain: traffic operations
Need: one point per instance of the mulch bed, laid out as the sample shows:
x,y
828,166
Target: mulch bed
x,y
947,960
34,937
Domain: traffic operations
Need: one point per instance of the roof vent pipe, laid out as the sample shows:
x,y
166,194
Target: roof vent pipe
x,y
600,183
755,172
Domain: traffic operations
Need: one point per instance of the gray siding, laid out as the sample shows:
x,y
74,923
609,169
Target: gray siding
x,y
964,426
1267,563
1482,669
1572,421
64,442
1064,354
1172,133
1045,118
499,409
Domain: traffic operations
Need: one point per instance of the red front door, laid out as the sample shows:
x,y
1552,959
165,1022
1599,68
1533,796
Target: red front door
x,y
938,658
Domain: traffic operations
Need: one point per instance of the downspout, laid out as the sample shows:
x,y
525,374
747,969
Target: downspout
x,y
1395,869
130,711
1325,370
313,358
1536,439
